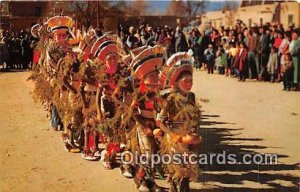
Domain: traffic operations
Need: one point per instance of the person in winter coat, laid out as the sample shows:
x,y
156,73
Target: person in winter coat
x,y
210,58
294,49
273,63
195,45
241,61
287,71
181,44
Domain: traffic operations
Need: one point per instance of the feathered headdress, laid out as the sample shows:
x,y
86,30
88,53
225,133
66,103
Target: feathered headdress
x,y
147,61
104,45
59,24
176,65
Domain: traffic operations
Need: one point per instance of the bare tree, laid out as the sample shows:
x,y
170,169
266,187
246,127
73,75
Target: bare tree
x,y
104,12
137,8
186,8
194,8
176,8
230,5
85,12
229,8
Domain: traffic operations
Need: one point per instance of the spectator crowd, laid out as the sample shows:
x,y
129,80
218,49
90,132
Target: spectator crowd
x,y
265,53
16,49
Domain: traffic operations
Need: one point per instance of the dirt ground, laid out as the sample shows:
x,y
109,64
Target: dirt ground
x,y
248,117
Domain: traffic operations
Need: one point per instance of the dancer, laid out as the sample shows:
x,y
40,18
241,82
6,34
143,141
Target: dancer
x,y
179,120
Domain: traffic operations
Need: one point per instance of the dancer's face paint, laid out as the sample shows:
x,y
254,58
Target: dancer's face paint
x,y
151,81
61,37
111,62
185,83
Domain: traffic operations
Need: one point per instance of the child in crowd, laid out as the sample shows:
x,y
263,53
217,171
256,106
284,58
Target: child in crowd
x,y
287,72
225,59
233,50
210,58
218,60
272,65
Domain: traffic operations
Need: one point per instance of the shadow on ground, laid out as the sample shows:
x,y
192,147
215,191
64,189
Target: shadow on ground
x,y
219,140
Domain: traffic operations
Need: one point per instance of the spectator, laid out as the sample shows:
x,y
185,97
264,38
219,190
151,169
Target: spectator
x,y
264,52
162,38
196,49
278,39
287,72
170,43
181,43
210,59
241,61
205,41
273,64
283,50
4,54
252,66
218,60
132,40
295,53
231,57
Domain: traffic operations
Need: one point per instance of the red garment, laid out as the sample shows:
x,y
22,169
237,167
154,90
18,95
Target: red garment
x,y
149,105
277,42
91,144
142,87
101,138
36,56
168,40
112,147
241,60
161,40
87,54
112,84
141,173
252,43
285,49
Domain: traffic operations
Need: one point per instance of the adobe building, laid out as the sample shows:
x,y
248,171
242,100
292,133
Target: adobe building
x,y
22,15
217,19
261,12
17,15
253,12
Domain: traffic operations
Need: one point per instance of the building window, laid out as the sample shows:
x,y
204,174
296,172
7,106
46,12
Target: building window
x,y
37,11
250,22
290,19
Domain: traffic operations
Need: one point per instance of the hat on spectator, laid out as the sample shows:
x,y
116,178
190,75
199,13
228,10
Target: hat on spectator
x,y
208,32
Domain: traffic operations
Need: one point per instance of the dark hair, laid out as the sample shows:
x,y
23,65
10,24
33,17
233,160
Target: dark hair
x,y
288,34
243,43
183,74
